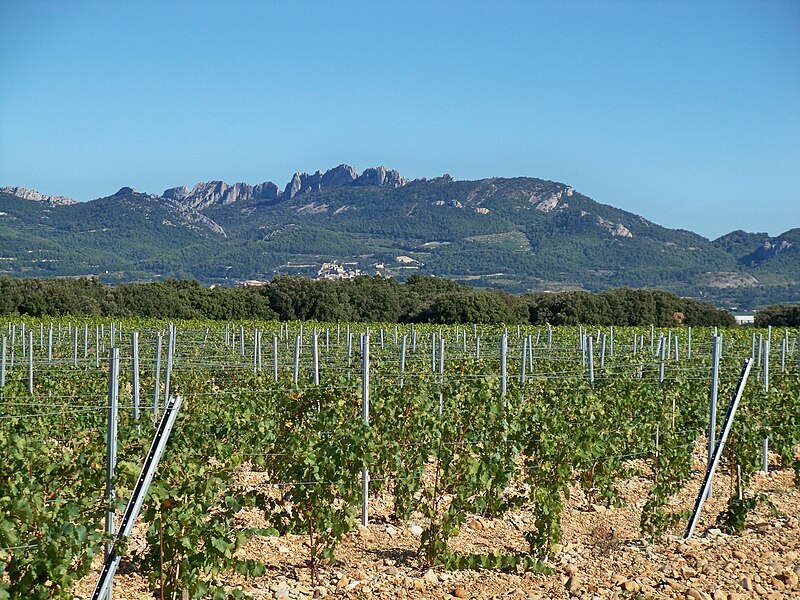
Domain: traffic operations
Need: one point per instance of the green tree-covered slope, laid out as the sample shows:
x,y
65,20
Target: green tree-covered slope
x,y
520,234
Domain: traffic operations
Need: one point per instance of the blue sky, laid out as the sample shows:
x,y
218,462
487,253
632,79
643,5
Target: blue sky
x,y
687,113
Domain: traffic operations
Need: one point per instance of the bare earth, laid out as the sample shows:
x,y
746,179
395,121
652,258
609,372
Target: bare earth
x,y
601,554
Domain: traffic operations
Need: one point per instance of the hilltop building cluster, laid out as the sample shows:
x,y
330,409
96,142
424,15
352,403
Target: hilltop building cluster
x,y
335,270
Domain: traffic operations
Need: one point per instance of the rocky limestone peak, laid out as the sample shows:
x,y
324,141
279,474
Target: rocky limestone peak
x,y
335,177
312,182
294,186
381,176
237,191
210,193
34,196
191,217
176,193
771,247
266,191
341,175
619,230
125,191
777,246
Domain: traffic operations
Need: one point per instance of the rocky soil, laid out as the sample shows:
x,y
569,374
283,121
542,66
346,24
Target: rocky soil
x,y
601,555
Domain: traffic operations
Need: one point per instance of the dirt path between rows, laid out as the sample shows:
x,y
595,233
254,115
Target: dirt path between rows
x,y
601,555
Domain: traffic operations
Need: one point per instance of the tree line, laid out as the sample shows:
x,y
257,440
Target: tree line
x,y
779,315
421,299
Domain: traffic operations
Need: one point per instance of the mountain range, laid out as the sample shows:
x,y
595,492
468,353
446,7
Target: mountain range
x,y
517,233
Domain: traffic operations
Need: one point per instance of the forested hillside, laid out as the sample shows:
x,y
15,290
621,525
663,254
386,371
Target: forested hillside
x,y
519,234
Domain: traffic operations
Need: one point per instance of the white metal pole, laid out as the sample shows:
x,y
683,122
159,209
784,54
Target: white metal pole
x,y
365,418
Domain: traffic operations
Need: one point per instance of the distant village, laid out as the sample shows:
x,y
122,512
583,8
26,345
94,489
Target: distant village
x,y
335,270
345,270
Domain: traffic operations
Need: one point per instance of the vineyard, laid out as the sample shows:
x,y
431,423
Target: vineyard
x,y
300,431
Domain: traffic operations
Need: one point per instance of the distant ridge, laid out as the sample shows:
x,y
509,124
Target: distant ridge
x,y
209,193
519,234
33,195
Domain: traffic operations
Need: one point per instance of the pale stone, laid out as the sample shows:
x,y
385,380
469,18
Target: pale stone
x,y
475,524
35,196
573,583
460,592
688,572
746,583
789,578
676,585
343,582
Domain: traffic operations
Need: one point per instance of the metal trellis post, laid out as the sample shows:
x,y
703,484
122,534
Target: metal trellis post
x,y
105,580
365,417
726,427
111,449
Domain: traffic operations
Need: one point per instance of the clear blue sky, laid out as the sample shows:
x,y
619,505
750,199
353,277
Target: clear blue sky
x,y
687,113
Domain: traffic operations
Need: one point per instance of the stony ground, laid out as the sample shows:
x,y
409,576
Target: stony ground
x,y
601,555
